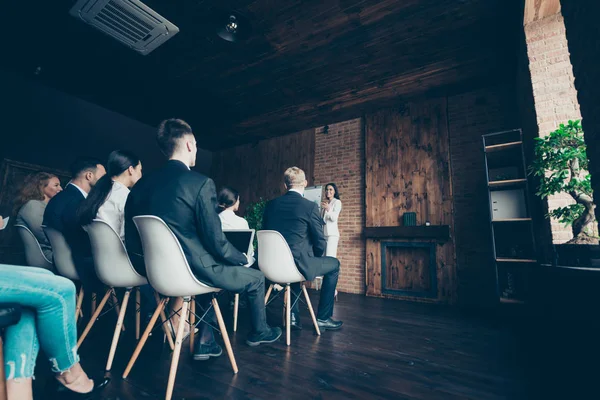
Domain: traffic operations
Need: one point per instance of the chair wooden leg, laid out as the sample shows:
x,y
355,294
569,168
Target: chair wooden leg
x,y
94,317
142,342
225,335
192,323
176,352
115,302
165,328
137,313
115,341
79,302
236,305
288,309
93,303
268,293
310,308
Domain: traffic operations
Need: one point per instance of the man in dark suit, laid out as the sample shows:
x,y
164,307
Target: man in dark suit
x,y
186,201
300,223
61,214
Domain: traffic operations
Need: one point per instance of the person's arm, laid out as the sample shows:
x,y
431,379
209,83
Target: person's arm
x,y
208,225
334,214
315,230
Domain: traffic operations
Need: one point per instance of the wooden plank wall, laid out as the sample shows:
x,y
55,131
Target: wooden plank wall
x,y
256,170
408,170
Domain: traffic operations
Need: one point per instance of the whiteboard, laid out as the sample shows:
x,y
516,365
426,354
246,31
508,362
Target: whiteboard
x,y
314,193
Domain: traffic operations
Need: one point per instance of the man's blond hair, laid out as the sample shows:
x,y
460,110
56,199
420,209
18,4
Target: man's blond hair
x,y
293,177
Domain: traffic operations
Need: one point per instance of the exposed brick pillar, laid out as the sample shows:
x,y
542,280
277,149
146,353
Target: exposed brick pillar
x,y
553,91
583,34
340,158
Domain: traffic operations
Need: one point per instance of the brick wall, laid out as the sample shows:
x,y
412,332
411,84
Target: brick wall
x,y
340,158
471,115
553,90
583,31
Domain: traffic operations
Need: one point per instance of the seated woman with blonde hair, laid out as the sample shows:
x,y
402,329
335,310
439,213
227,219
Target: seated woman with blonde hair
x,y
34,195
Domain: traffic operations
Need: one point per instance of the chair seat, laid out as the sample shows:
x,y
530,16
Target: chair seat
x,y
10,314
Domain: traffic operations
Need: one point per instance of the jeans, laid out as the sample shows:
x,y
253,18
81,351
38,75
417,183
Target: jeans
x,y
47,320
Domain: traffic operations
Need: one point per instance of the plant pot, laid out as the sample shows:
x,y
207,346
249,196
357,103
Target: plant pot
x,y
578,255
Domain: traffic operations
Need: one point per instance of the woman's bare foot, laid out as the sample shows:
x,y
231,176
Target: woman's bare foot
x,y
19,389
76,379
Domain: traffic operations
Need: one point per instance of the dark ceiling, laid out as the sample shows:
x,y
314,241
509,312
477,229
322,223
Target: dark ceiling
x,y
305,64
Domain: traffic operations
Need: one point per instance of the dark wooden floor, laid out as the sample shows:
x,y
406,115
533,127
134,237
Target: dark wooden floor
x,y
387,350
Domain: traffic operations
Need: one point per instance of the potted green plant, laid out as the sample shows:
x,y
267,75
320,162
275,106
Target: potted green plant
x,y
254,216
560,162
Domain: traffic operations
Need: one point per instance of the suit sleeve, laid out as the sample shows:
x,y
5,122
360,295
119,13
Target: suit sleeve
x,y
315,228
209,228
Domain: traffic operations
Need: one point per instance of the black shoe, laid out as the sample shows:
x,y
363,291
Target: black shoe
x,y
295,322
329,324
268,337
205,351
57,390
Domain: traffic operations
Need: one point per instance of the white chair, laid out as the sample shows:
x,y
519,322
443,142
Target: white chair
x,y
63,261
114,269
276,261
170,275
33,251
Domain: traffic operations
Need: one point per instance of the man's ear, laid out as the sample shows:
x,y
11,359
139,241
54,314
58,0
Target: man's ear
x,y
89,175
286,187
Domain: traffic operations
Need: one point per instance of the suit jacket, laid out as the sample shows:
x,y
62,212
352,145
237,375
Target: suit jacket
x,y
187,202
330,217
61,214
300,223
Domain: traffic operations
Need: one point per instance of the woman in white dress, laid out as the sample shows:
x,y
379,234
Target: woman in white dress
x,y
330,210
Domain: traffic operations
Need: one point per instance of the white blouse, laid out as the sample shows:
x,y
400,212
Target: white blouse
x,y
231,221
113,209
330,218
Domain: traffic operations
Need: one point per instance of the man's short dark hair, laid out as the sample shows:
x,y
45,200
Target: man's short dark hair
x,y
169,132
84,164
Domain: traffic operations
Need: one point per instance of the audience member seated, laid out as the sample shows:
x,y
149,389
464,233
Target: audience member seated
x,y
47,323
229,203
107,198
300,223
187,202
61,214
30,204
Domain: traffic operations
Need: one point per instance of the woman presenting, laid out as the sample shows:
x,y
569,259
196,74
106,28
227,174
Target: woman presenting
x,y
330,209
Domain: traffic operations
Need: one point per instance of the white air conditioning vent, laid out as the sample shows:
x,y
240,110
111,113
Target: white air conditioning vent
x,y
129,21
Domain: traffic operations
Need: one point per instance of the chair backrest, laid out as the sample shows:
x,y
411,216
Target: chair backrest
x,y
111,260
33,251
63,259
275,258
168,270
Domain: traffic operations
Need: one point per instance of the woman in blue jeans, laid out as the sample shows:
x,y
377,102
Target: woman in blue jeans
x,y
47,322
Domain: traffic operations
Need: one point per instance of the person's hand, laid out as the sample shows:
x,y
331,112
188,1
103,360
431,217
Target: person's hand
x,y
250,259
324,205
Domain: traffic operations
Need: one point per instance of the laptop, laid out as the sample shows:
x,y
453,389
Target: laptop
x,y
241,239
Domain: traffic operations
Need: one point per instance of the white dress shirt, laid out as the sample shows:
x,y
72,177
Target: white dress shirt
x,y
113,209
231,221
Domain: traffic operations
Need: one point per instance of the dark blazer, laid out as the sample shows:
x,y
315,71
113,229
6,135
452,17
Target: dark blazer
x,y
61,214
186,201
300,223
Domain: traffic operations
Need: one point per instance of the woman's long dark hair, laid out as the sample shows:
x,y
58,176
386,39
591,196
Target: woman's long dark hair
x,y
226,198
118,162
336,194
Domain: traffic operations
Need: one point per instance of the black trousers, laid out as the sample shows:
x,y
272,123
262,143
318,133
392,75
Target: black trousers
x,y
238,279
329,268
